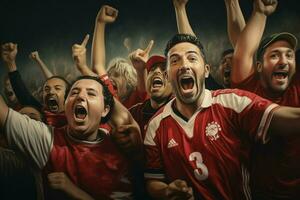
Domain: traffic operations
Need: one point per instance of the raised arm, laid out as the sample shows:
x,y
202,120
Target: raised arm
x,y
79,57
35,57
106,15
183,23
8,54
249,40
138,59
235,20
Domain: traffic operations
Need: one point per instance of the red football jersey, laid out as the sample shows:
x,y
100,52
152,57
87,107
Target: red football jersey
x,y
56,120
97,167
275,171
211,150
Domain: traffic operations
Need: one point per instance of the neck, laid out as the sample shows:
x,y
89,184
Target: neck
x,y
156,104
84,136
188,110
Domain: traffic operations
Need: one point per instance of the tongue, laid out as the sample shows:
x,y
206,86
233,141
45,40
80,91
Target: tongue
x,y
80,116
187,86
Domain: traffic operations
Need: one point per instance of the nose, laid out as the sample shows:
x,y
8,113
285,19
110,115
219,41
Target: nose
x,y
52,90
283,60
81,96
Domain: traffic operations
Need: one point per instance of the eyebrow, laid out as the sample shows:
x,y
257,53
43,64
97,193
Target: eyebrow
x,y
188,52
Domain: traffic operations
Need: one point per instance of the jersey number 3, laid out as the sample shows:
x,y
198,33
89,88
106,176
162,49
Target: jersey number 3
x,y
201,173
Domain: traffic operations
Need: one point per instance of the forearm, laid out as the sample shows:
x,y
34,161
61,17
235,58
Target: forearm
x,y
22,93
235,20
47,73
98,49
246,46
285,122
3,113
86,71
183,24
156,189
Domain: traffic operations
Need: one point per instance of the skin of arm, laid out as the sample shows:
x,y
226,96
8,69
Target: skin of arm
x,y
285,121
106,15
177,189
235,20
183,24
60,181
79,57
249,39
126,132
35,57
138,59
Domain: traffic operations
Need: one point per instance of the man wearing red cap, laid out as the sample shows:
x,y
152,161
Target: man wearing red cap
x,y
157,87
275,175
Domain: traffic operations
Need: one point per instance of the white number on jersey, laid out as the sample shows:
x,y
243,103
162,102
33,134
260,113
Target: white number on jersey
x,y
201,174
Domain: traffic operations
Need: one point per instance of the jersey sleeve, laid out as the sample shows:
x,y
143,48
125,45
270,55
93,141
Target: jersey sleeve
x,y
154,166
256,116
32,138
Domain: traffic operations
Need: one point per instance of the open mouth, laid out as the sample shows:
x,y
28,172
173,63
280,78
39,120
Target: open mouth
x,y
280,75
226,73
9,93
187,83
80,112
52,104
157,82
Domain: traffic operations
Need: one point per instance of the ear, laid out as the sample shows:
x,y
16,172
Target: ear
x,y
259,66
207,70
105,111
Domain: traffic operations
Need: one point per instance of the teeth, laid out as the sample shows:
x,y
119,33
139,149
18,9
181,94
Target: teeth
x,y
280,75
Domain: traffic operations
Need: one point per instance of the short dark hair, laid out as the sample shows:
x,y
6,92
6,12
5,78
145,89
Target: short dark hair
x,y
108,97
68,86
226,52
179,38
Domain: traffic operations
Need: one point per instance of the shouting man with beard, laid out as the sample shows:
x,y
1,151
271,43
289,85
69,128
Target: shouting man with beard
x,y
274,76
53,92
198,145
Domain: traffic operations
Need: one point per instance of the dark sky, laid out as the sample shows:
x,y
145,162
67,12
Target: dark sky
x,y
53,26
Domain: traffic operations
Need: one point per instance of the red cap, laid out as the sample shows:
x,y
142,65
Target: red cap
x,y
155,60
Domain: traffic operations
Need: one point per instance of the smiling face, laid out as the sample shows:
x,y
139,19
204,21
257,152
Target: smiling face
x,y
84,108
54,95
187,71
157,84
278,66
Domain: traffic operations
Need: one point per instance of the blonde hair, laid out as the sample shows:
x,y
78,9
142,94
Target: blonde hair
x,y
122,67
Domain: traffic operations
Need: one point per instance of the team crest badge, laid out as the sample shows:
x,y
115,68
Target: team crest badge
x,y
212,130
